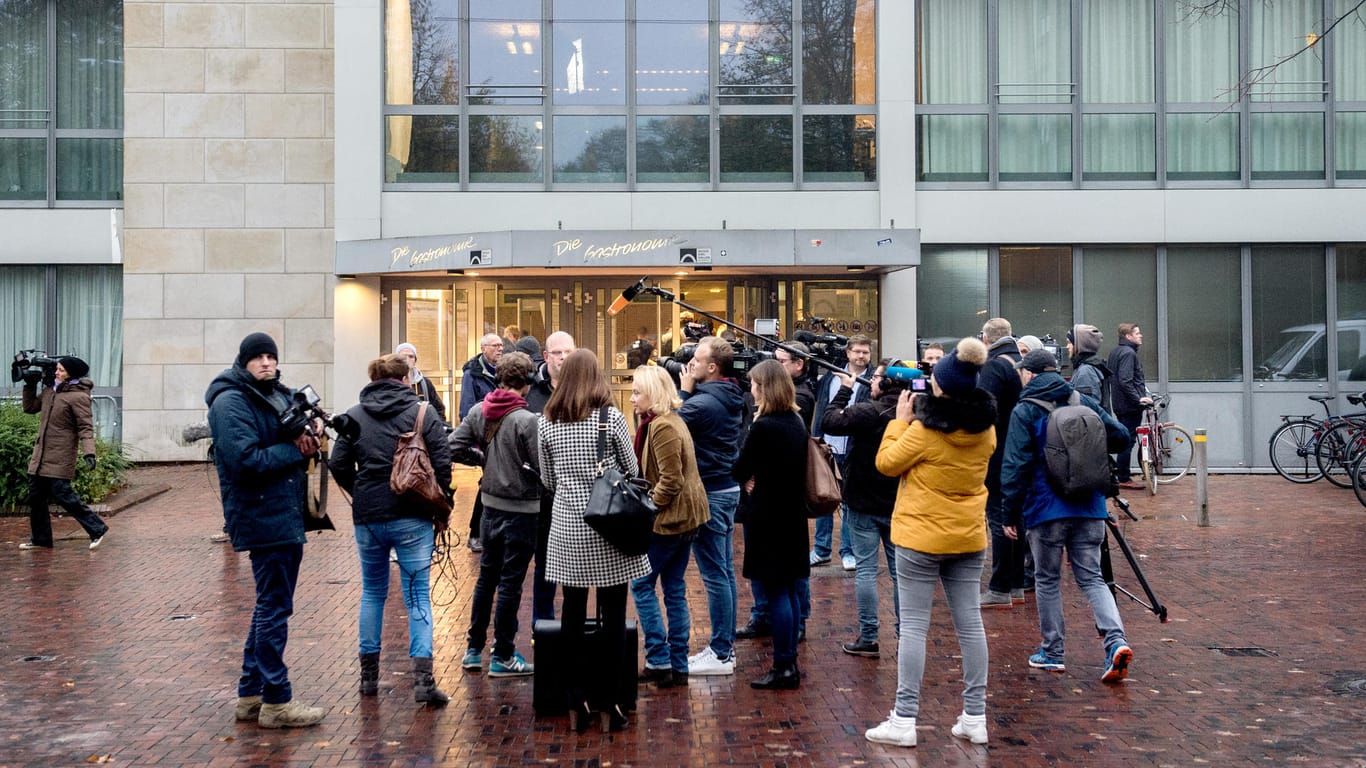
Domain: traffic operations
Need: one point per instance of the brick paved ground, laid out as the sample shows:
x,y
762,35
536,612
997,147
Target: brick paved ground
x,y
145,634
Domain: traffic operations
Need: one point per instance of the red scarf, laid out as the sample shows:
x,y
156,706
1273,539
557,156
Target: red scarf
x,y
640,435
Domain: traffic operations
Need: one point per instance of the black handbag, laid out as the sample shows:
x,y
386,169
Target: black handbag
x,y
619,508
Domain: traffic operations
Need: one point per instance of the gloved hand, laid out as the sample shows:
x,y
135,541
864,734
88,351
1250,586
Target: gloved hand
x,y
89,460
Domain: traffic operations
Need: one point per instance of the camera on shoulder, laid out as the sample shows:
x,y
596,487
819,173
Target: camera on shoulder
x,y
305,407
33,365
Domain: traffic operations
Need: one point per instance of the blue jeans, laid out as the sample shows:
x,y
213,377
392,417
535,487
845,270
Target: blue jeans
x,y
784,611
509,540
264,674
758,613
668,565
1082,537
825,524
412,539
868,532
714,550
961,575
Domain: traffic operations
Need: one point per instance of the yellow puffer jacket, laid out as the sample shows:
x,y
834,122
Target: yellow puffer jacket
x,y
941,458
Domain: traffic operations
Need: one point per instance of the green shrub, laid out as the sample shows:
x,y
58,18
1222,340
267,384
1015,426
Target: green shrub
x,y
18,430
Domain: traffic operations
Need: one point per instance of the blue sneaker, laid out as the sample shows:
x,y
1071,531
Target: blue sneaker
x,y
513,667
472,660
1042,660
1117,664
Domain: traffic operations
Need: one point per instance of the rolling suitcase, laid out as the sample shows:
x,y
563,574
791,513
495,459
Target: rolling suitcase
x,y
549,697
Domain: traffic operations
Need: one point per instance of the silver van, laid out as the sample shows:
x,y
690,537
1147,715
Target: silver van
x,y
1303,354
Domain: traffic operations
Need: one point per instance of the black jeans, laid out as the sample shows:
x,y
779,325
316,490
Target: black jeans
x,y
42,491
1123,459
542,591
1007,555
509,540
592,670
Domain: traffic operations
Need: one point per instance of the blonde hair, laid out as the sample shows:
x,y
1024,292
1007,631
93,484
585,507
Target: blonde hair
x,y
655,384
776,393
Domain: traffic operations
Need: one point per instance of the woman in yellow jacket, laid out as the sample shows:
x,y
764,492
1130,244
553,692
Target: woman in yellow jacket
x,y
939,445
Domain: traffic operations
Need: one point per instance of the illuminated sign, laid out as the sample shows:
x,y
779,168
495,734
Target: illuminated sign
x,y
596,252
428,255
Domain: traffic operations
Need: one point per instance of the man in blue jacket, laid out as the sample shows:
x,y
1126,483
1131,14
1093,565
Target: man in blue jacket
x,y
261,477
713,408
1052,522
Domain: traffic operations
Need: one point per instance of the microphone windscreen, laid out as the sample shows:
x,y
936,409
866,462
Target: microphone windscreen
x,y
899,373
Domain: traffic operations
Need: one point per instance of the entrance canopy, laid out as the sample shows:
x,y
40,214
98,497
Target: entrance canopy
x,y
872,249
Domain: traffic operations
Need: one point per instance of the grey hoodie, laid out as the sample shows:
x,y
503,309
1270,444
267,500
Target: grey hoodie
x,y
512,467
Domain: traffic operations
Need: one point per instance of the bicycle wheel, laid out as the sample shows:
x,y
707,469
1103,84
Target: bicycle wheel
x,y
1334,451
1145,463
1292,448
1359,479
1177,454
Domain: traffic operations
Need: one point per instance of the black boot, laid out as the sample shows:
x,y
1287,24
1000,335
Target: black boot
x,y
616,718
369,674
782,677
424,685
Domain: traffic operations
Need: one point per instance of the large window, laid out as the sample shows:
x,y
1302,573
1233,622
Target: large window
x,y
1036,290
528,94
1119,285
86,320
1204,314
1288,314
952,299
61,102
1140,93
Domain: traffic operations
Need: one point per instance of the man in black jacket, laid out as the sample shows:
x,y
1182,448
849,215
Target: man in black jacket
x,y
999,378
869,494
1129,393
261,478
558,346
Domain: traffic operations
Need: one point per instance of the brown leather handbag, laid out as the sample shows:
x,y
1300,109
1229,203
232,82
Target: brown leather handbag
x,y
413,479
823,486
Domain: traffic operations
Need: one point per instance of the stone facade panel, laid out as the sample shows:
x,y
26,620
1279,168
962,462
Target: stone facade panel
x,y
144,115
162,342
285,115
244,71
142,25
155,434
183,386
223,337
308,70
284,205
203,295
287,296
308,161
142,205
206,115
204,205
142,296
244,160
244,250
308,340
285,25
162,250
310,250
146,395
163,160
204,25
163,70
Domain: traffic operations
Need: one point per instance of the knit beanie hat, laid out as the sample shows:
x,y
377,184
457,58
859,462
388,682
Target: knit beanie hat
x,y
956,373
528,345
406,347
1030,341
256,344
1086,339
76,368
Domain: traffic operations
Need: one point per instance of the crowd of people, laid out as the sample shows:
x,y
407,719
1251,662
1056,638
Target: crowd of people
x,y
933,477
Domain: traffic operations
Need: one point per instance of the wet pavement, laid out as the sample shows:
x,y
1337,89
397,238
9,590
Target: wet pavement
x,y
129,656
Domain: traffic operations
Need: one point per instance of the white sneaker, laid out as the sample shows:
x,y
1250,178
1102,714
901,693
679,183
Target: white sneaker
x,y
971,727
849,562
96,542
706,663
895,730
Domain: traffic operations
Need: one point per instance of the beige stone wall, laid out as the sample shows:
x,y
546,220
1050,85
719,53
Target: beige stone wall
x,y
228,147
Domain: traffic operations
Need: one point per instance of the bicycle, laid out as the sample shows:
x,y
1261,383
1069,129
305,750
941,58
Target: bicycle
x,y
1165,450
1341,444
1358,475
1293,447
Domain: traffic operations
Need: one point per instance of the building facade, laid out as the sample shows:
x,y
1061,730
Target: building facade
x,y
903,170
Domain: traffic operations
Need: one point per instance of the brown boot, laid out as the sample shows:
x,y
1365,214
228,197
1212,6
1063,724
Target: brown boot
x,y
291,714
248,708
424,685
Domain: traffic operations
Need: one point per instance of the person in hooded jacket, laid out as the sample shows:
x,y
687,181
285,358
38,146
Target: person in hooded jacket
x,y
422,385
1090,373
940,445
263,484
503,431
1008,575
64,426
869,494
362,467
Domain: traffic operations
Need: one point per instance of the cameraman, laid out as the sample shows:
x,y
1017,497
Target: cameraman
x,y
65,423
261,476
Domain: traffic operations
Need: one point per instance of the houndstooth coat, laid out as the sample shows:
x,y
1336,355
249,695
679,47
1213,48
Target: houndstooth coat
x,y
577,556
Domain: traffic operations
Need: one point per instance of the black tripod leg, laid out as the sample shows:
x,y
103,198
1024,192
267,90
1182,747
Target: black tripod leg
x,y
1153,605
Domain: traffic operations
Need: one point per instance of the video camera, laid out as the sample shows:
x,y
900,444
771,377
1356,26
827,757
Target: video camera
x,y
33,365
304,409
742,361
827,346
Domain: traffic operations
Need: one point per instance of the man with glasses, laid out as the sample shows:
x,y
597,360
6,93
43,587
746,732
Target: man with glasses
x,y
558,345
860,354
477,381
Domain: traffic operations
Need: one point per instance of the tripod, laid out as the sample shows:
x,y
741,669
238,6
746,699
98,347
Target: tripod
x,y
1158,609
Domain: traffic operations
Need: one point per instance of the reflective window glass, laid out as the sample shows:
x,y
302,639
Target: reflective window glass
x,y
756,148
1117,51
1349,53
1202,54
1204,314
590,62
672,149
422,149
421,59
1351,145
590,149
1036,290
951,147
839,148
506,149
1202,147
671,10
23,169
1035,49
89,66
505,62
756,52
89,169
23,307
1279,31
1351,284
505,9
1036,147
952,299
1288,312
953,52
90,318
1287,145
23,65
671,62
1119,147
839,46
1119,285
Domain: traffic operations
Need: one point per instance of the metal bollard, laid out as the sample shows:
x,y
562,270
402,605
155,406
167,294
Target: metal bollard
x,y
1201,476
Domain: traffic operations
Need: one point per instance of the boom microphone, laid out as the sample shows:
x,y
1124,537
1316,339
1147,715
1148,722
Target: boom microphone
x,y
626,297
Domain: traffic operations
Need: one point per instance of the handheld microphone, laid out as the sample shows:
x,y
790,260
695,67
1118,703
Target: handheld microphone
x,y
626,297
899,373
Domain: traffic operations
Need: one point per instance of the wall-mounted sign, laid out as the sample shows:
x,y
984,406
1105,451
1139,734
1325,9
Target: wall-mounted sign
x,y
481,258
694,255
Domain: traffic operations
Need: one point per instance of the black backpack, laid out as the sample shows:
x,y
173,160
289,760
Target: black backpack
x,y
1075,458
